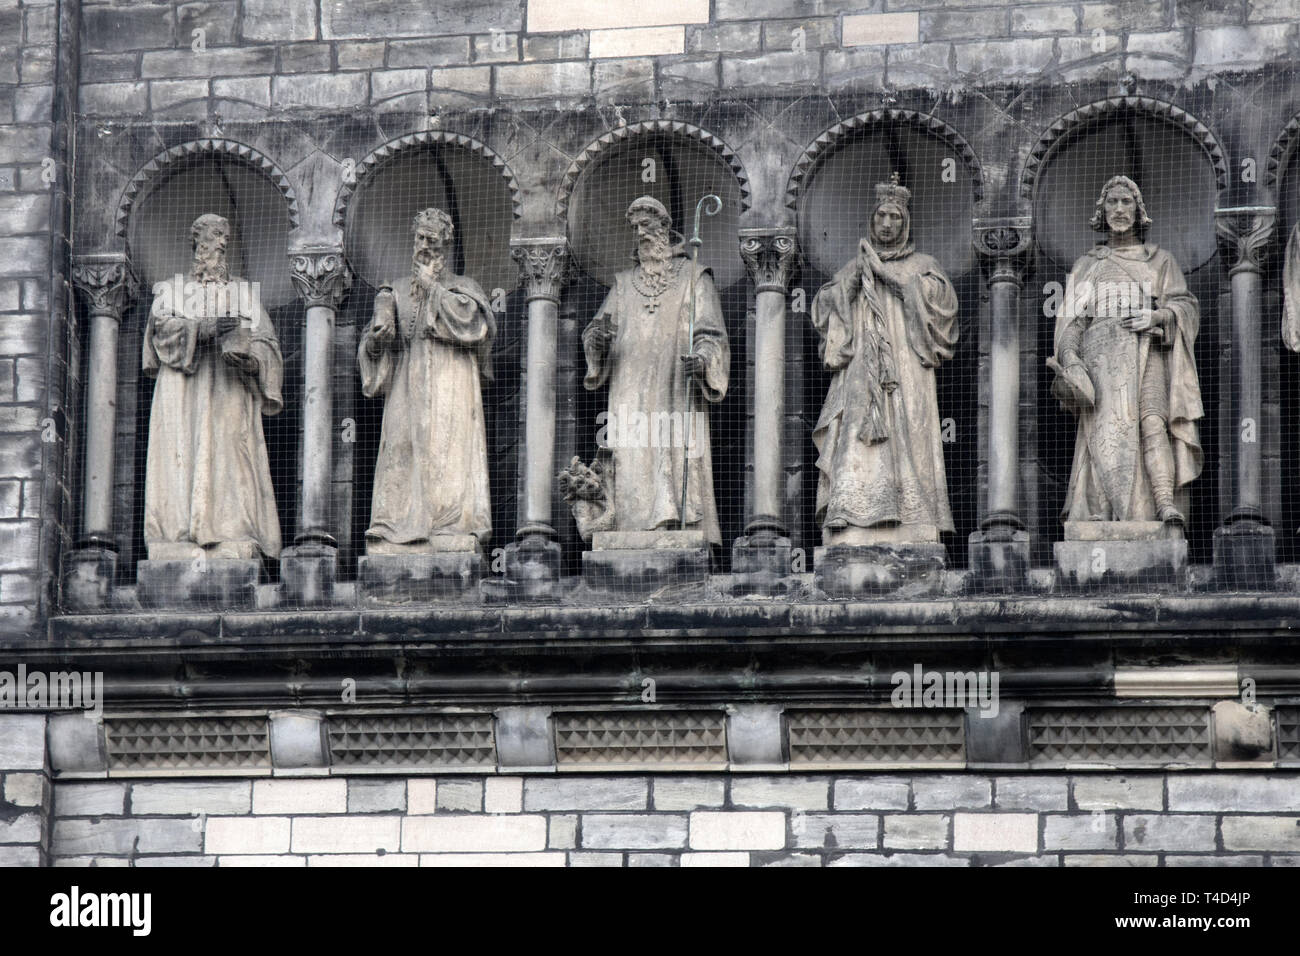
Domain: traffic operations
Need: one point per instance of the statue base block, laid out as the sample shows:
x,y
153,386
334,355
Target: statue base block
x,y
387,579
999,563
857,571
88,575
213,584
1121,555
760,564
533,569
1245,557
638,562
307,575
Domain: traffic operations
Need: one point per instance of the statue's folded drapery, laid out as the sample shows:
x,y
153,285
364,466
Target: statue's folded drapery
x,y
208,479
431,476
879,436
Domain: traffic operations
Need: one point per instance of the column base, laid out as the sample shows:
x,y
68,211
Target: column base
x,y
307,575
639,562
860,571
212,584
1150,557
532,569
384,580
999,561
1245,557
760,565
88,576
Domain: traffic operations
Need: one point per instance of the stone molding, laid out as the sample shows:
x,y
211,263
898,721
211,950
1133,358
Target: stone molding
x,y
771,256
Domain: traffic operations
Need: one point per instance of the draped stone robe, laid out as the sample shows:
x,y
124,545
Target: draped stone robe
x,y
657,424
431,476
878,439
1108,480
208,478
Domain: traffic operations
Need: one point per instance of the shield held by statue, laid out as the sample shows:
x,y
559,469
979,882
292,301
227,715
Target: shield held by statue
x,y
1114,357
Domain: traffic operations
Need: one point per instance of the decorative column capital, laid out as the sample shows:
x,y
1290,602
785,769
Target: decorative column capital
x,y
1244,233
320,274
544,265
1003,246
771,256
105,282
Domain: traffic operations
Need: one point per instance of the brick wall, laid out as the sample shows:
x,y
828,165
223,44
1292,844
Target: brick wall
x,y
685,820
25,794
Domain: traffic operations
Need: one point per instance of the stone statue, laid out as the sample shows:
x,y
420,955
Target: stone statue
x,y
1125,365
660,384
426,349
214,352
886,321
1291,292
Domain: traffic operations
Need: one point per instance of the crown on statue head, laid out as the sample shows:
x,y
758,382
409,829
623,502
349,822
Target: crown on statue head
x,y
893,192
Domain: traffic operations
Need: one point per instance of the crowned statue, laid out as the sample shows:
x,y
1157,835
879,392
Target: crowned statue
x,y
886,322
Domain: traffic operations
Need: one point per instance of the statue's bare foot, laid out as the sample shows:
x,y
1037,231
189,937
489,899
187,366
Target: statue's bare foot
x,y
837,524
1171,515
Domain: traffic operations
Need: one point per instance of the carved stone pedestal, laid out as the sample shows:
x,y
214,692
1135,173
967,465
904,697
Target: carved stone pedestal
x,y
760,564
999,560
211,584
1245,557
307,575
532,569
387,579
638,562
88,575
869,570
1121,555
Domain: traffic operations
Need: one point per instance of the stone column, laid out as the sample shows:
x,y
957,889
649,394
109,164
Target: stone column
x,y
105,284
999,550
533,560
760,560
1244,553
308,569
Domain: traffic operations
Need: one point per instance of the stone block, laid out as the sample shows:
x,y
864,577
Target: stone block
x,y
643,41
503,795
385,84
1245,557
650,859
1243,46
623,80
21,828
1242,732
916,831
22,741
300,796
860,571
996,739
323,91
76,744
687,793
415,18
365,859
1261,833
460,794
1236,792
995,833
777,70
634,571
20,856
89,799
279,20
1087,831
999,565
298,739
113,99
247,835
855,831
389,579
1112,564
556,46
724,38
562,832
473,834
596,859
190,860
547,16
347,834
951,793
430,52
880,28
215,584
760,564
1031,793
493,860
524,738
376,796
1170,831
307,574
25,789
191,799
141,26
533,568
633,831
586,793
1119,793
800,793
754,736
713,859
752,830
87,579
1030,21
898,859
421,795
262,861
873,793
543,80
1111,859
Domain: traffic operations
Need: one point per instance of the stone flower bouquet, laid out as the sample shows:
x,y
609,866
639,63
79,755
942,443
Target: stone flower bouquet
x,y
589,492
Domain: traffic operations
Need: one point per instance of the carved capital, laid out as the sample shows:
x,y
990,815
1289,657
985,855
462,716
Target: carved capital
x,y
1244,233
544,265
320,275
105,282
1003,246
771,256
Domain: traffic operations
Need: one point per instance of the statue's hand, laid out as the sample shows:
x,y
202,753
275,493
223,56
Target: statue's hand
x,y
869,256
693,365
600,337
226,324
1138,322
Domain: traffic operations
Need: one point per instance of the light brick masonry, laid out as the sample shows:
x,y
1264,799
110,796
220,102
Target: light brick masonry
x,y
696,820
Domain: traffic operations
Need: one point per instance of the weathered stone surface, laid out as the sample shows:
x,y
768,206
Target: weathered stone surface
x,y
562,832
916,831
390,579
217,583
1031,793
466,834
633,831
144,26
123,837
89,799
279,20
328,91
777,70
247,835
1120,793
752,830
376,796
1146,832
859,571
300,796
1261,833
503,795
586,793
1131,565
639,572
835,830
807,793
407,18
898,859
871,794
687,793
724,38
431,52
543,80
187,799
26,789
347,834
22,741
1092,831
454,794
1246,793
951,792
995,833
